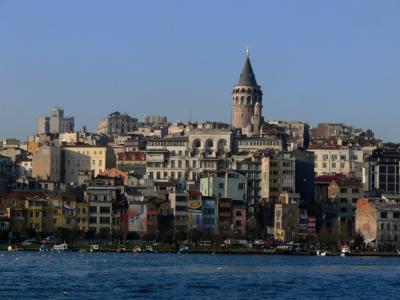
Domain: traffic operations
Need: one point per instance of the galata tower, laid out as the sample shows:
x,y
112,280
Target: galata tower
x,y
247,102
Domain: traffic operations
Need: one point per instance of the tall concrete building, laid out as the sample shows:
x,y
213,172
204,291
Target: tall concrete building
x,y
43,125
59,123
46,163
56,123
247,102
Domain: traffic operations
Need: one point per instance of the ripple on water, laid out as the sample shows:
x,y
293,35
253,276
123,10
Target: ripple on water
x,y
196,276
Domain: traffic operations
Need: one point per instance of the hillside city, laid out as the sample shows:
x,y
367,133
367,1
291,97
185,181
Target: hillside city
x,y
270,182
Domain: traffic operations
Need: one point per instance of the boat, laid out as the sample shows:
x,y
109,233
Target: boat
x,y
121,249
149,249
345,251
183,250
94,248
136,249
14,248
324,253
61,247
44,248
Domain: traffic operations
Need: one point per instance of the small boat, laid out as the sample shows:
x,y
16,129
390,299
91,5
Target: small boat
x,y
14,248
94,248
183,250
136,249
44,248
324,253
149,249
121,249
61,247
345,251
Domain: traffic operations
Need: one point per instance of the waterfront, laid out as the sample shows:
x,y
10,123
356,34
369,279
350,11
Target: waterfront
x,y
194,276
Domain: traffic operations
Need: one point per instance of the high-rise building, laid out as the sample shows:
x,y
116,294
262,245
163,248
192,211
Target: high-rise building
x,y
247,102
56,123
43,125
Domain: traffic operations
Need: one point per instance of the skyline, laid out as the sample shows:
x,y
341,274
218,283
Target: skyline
x,y
144,59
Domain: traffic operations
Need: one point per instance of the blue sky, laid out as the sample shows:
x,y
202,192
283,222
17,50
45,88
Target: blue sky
x,y
317,61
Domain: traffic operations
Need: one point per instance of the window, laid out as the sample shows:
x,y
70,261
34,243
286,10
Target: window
x,y
238,213
92,220
104,209
324,165
334,165
343,200
241,186
104,220
93,209
355,191
221,186
384,215
343,190
100,163
238,223
396,215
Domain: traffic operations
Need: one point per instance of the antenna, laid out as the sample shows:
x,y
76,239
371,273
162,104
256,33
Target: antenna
x,y
247,51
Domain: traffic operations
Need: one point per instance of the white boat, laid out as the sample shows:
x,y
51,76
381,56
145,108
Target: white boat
x,y
324,253
14,248
94,248
345,251
61,247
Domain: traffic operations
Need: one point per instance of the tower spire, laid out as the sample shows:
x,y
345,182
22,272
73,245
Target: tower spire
x,y
247,76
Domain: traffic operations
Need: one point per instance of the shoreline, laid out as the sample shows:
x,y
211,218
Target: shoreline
x,y
211,252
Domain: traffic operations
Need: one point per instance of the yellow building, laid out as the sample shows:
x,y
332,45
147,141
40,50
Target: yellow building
x,y
85,158
38,215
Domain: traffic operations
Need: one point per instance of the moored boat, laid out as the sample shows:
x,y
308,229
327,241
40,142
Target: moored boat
x,y
183,250
61,247
345,251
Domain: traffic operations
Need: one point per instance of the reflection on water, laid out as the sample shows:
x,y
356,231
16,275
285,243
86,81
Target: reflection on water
x,y
194,276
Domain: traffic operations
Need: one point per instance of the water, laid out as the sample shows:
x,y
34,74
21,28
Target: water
x,y
27,275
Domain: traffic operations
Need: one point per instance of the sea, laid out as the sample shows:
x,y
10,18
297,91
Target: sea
x,y
85,275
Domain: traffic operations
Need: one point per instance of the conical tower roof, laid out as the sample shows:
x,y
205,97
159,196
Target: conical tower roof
x,y
247,76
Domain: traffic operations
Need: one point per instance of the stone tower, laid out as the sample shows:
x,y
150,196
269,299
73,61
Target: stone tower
x,y
247,102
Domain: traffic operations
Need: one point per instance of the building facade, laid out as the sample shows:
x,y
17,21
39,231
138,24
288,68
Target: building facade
x,y
117,123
